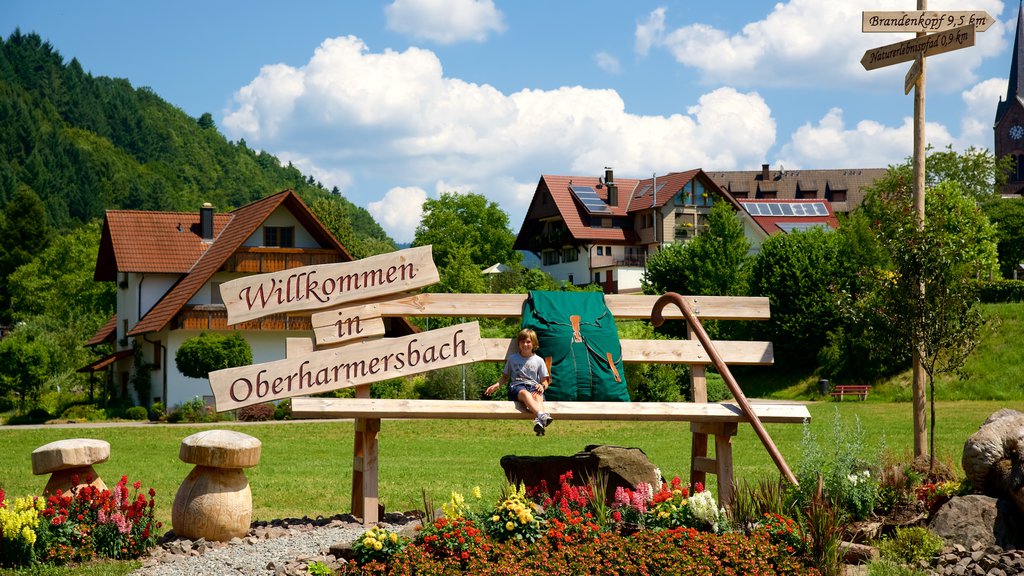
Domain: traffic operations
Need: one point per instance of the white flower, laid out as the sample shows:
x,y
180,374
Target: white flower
x,y
853,478
704,508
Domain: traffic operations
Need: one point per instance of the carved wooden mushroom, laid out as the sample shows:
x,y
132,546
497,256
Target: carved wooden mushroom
x,y
214,501
65,459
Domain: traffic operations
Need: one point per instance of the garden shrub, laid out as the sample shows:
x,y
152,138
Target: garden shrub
x,y
84,413
283,410
157,412
194,410
1000,290
910,545
377,544
847,480
256,413
137,413
39,415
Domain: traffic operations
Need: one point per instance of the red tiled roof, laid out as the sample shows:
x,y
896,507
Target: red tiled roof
x,y
161,242
106,361
643,198
106,333
573,214
241,224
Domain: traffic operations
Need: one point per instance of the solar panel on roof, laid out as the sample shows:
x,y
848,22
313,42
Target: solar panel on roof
x,y
590,200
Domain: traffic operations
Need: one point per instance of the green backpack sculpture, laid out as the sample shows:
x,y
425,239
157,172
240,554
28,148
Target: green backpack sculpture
x,y
579,340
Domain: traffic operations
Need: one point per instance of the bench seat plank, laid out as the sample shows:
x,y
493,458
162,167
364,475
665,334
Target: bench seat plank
x,y
381,408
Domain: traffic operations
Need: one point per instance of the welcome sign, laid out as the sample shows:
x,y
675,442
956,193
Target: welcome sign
x,y
313,287
347,366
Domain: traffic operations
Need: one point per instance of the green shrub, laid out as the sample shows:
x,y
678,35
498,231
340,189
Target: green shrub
x,y
883,567
157,412
447,383
256,413
200,355
1000,290
137,413
39,415
194,410
657,382
910,545
283,410
84,413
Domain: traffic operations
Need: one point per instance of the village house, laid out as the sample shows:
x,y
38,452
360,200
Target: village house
x,y
169,267
600,230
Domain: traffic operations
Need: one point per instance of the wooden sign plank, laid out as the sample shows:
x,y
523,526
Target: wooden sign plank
x,y
347,366
923,21
325,285
929,45
622,306
910,80
353,323
735,352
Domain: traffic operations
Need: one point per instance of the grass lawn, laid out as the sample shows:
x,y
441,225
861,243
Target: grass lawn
x,y
305,468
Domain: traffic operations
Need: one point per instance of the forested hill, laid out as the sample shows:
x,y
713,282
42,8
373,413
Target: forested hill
x,y
85,144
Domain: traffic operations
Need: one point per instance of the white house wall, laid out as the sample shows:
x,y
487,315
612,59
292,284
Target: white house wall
x,y
266,347
579,270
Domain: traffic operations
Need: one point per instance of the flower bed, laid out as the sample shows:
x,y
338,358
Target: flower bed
x,y
114,523
570,531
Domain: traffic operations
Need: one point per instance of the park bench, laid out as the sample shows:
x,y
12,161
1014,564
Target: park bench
x,y
841,390
345,328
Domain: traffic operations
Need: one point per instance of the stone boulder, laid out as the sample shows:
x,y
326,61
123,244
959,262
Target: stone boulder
x,y
993,458
625,467
973,519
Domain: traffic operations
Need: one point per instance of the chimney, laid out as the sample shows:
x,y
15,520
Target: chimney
x,y
613,190
765,175
206,221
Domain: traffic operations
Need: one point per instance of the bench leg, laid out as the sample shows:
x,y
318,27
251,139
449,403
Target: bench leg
x,y
364,470
721,465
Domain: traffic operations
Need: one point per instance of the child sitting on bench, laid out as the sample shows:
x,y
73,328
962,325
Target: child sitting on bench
x,y
529,378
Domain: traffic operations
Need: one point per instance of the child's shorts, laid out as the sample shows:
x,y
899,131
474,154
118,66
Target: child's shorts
x,y
514,388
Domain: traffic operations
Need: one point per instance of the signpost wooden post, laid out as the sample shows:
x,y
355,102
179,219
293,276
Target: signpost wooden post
x,y
949,31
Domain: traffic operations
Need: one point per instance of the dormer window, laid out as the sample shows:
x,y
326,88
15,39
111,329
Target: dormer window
x,y
279,236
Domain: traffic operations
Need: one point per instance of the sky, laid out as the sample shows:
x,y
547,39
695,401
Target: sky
x,y
397,102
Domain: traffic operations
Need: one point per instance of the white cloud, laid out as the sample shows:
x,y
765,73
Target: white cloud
x,y
608,63
812,43
445,21
399,212
404,125
869,144
979,113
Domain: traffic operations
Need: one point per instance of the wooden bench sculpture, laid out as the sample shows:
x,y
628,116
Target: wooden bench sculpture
x,y
347,351
858,390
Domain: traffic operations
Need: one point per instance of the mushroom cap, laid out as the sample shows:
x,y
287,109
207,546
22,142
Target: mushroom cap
x,y
220,449
67,454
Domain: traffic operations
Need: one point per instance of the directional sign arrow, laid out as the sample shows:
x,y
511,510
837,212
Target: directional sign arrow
x,y
911,78
929,45
923,21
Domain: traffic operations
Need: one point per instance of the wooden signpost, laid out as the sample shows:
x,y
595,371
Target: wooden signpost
x,y
937,32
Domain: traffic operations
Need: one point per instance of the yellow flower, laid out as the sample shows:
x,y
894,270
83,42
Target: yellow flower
x,y
510,526
495,518
476,492
28,534
377,545
368,541
394,537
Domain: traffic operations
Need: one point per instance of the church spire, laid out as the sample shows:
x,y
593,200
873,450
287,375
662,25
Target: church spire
x,y
1015,87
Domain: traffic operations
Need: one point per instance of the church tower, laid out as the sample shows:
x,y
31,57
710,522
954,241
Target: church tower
x,y
1009,125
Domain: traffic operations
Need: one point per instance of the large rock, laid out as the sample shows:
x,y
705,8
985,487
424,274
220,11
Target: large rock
x,y
625,467
967,520
993,457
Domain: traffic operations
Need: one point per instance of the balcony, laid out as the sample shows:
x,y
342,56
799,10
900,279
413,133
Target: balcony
x,y
215,317
257,260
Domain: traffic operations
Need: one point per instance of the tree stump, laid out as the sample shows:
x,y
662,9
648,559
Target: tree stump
x,y
214,501
65,460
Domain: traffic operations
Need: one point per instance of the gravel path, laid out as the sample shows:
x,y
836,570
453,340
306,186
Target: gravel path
x,y
282,547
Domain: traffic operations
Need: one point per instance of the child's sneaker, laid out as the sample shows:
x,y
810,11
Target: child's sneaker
x,y
545,419
538,426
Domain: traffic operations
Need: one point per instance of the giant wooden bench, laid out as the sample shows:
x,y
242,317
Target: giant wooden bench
x,y
347,345
719,420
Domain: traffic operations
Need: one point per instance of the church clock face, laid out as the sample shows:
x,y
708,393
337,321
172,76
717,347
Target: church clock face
x,y
1016,132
